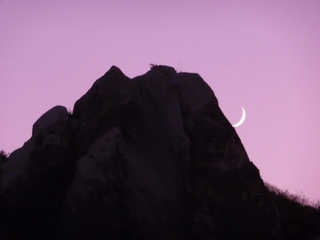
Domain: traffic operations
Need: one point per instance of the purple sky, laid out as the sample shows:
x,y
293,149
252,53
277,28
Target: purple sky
x,y
262,55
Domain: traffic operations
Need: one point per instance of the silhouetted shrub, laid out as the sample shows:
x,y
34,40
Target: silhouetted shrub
x,y
3,156
152,65
300,199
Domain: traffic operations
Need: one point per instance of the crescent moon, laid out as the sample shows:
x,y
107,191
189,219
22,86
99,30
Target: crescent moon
x,y
243,117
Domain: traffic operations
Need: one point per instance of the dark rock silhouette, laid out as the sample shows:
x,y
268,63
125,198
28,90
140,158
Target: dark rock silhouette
x,y
151,157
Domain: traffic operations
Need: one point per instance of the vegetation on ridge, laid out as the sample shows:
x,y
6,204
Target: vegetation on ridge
x,y
300,219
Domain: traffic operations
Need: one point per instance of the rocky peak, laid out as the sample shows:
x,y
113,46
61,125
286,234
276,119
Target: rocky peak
x,y
151,157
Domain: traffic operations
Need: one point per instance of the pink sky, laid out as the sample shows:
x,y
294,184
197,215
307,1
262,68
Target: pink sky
x,y
262,55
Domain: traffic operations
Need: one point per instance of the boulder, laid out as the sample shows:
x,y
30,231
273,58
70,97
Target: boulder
x,y
35,177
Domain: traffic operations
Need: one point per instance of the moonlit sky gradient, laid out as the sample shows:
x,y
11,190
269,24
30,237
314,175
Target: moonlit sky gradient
x,y
262,55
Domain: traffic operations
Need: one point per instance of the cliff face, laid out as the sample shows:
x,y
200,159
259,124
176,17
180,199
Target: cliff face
x,y
151,157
